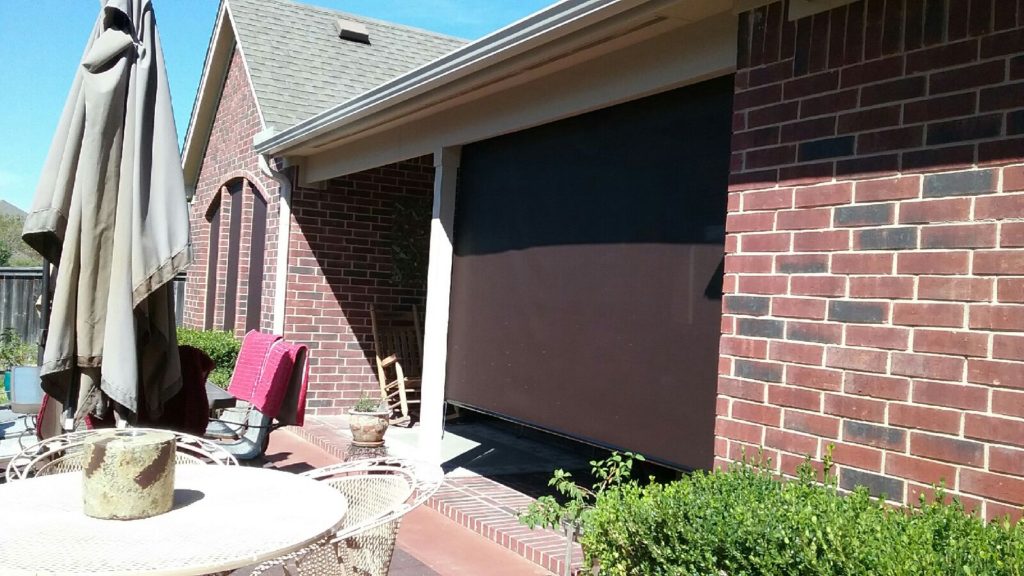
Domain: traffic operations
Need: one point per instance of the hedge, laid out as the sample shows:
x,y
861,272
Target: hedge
x,y
746,522
222,347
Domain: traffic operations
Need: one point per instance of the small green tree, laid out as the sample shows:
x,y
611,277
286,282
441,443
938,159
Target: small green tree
x,y
571,512
19,253
578,500
5,254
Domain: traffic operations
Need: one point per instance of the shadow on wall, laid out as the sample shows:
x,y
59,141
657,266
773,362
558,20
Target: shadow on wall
x,y
366,242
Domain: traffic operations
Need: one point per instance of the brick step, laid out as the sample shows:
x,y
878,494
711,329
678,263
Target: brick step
x,y
476,503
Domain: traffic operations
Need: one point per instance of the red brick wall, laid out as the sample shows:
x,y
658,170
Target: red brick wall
x,y
340,251
229,157
875,270
339,264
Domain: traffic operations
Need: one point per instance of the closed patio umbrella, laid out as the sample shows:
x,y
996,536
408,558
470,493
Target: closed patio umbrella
x,y
110,214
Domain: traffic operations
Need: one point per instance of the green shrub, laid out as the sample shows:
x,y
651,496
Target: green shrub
x,y
14,351
575,502
745,521
222,347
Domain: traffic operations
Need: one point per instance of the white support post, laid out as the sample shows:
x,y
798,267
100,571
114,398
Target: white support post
x,y
439,287
284,226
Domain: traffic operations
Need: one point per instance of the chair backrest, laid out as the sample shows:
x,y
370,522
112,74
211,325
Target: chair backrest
x,y
270,372
64,454
380,491
399,334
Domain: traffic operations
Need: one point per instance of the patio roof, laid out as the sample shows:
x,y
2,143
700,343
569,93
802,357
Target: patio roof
x,y
559,37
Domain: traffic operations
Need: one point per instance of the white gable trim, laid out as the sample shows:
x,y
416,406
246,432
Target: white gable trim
x,y
223,42
245,65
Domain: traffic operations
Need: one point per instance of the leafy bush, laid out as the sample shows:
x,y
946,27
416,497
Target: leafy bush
x,y
222,347
14,351
747,522
576,502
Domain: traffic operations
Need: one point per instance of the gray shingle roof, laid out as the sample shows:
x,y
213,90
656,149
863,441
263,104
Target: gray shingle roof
x,y
299,67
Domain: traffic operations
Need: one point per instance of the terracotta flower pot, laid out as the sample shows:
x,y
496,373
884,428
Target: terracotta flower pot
x,y
368,427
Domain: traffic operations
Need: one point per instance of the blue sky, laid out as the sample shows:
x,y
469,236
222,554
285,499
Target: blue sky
x,y
41,42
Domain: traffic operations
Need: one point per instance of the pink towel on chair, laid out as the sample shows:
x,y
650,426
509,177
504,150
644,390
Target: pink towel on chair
x,y
264,376
293,406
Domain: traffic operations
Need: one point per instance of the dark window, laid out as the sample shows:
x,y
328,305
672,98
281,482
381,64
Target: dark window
x,y
252,306
257,249
234,246
213,217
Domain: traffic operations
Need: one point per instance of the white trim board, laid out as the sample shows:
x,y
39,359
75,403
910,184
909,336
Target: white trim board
x,y
554,33
673,56
219,53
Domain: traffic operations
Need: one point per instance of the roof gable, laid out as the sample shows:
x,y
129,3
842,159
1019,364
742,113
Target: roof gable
x,y
297,65
300,67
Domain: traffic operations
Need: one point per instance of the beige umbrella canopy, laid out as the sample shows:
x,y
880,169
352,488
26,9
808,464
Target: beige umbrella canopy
x,y
110,214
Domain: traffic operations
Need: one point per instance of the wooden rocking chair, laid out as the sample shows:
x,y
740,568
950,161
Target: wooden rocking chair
x,y
398,347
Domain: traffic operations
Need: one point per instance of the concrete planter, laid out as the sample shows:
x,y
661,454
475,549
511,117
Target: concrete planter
x,y
368,427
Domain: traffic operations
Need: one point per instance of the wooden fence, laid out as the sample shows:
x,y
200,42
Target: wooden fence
x,y
21,287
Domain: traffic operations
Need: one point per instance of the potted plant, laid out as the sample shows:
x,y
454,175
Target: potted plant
x,y
368,420
569,512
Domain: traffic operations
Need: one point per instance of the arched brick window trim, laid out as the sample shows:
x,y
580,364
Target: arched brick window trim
x,y
236,200
212,259
236,191
257,254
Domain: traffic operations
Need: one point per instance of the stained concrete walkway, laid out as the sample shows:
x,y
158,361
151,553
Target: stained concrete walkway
x,y
429,544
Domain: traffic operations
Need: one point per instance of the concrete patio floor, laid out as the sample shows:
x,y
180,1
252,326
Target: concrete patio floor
x,y
429,544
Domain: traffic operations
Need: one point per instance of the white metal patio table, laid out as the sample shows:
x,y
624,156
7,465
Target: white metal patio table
x,y
224,517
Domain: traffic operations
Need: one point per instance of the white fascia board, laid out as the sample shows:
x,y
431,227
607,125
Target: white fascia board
x,y
524,36
210,83
679,56
248,74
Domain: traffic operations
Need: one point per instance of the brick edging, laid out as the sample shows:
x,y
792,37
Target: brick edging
x,y
473,503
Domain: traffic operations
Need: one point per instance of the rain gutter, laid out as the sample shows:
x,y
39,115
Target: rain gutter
x,y
422,85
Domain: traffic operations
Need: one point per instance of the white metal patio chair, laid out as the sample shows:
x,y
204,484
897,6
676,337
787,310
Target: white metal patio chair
x,y
380,491
64,454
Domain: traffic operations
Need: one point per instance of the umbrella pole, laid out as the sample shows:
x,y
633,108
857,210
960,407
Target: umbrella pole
x,y
71,403
44,310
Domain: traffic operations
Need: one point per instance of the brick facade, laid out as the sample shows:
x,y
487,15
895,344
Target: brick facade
x,y
875,257
339,255
341,263
229,158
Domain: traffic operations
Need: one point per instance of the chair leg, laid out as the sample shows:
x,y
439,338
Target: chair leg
x,y
403,399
